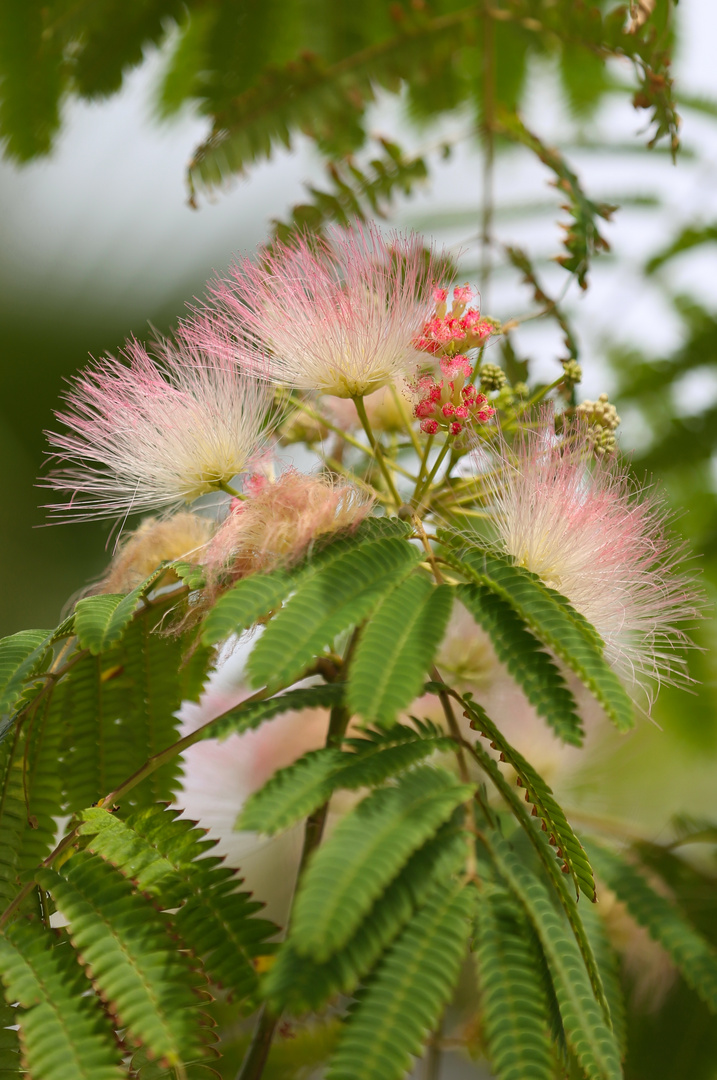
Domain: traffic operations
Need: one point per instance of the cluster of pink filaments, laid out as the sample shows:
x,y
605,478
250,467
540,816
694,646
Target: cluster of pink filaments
x,y
459,329
453,402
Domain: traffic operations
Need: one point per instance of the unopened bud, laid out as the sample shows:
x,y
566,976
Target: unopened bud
x,y
492,377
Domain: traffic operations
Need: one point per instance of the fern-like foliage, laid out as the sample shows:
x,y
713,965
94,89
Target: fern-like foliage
x,y
541,798
312,95
582,239
64,1033
127,950
365,853
41,783
526,660
397,647
301,984
13,814
299,789
516,1014
609,968
405,1000
556,624
586,1026
22,656
695,957
167,859
355,192
100,621
521,261
250,600
328,602
10,1062
250,714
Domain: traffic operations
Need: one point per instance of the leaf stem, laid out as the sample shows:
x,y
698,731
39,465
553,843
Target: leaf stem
x,y
253,1064
378,452
423,488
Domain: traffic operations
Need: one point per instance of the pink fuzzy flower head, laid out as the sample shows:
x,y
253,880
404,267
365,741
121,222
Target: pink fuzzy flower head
x,y
451,403
278,523
338,316
155,434
583,527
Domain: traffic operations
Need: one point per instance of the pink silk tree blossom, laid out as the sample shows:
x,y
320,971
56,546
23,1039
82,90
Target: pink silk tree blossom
x,y
338,316
154,434
588,532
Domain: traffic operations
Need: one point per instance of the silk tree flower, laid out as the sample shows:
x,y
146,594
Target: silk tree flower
x,y
279,521
155,540
155,434
337,316
456,330
451,403
582,526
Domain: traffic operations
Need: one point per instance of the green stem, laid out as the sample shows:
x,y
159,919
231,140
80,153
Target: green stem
x,y
376,447
424,462
316,822
321,419
420,492
253,1064
256,1057
224,486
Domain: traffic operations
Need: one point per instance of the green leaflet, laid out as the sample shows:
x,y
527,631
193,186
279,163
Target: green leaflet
x,y
397,647
13,816
21,657
355,193
100,621
127,950
609,967
404,1001
310,95
244,604
166,857
300,984
190,573
152,663
329,601
117,710
364,853
42,784
254,597
296,791
694,955
527,662
545,853
583,239
515,1013
195,668
591,1039
541,797
10,1062
557,625
65,1035
250,714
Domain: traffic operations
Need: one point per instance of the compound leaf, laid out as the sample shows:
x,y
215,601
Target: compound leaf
x,y
364,854
406,998
397,647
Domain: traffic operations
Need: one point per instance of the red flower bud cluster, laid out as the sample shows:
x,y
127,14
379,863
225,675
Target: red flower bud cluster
x,y
453,402
447,331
